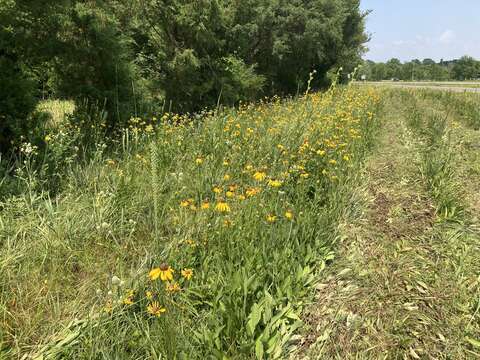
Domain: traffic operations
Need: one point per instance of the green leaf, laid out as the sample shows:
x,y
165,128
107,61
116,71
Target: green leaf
x,y
254,318
259,349
475,343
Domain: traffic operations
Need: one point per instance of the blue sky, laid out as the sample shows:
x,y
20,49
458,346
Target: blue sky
x,y
408,29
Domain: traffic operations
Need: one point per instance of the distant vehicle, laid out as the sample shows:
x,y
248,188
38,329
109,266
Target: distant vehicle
x,y
395,79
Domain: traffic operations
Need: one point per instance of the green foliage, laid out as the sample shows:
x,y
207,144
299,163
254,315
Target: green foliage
x,y
17,101
204,51
95,63
195,54
465,68
17,90
123,212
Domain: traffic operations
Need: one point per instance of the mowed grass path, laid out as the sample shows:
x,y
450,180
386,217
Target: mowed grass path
x,y
407,282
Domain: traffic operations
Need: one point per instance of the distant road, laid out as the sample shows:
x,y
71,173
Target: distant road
x,y
445,86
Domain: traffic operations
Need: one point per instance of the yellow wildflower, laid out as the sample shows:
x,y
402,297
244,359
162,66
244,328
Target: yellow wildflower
x,y
222,207
128,300
187,273
226,177
149,295
271,218
205,205
289,215
199,161
173,287
333,161
259,176
274,183
252,192
230,194
164,272
149,129
155,309
217,190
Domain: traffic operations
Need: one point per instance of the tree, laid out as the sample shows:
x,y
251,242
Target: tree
x,y
94,62
24,29
466,68
191,46
393,69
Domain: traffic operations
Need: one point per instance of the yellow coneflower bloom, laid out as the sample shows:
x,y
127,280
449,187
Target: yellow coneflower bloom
x,y
252,192
205,205
271,218
275,183
184,203
217,190
128,301
289,215
199,161
155,309
226,177
164,272
241,197
222,207
149,129
333,161
173,287
259,176
229,194
187,273
149,295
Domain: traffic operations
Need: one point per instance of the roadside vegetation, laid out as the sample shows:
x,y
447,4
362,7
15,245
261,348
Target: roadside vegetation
x,y
204,179
195,237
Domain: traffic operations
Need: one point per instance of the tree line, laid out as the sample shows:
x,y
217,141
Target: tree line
x,y
127,57
465,68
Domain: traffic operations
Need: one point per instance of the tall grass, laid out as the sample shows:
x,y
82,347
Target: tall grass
x,y
438,158
242,206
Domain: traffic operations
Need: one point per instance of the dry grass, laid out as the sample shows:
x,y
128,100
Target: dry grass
x,y
58,109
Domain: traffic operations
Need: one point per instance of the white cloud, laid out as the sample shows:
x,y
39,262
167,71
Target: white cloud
x,y
447,37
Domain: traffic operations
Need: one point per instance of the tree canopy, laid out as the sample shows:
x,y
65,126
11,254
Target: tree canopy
x,y
465,68
120,55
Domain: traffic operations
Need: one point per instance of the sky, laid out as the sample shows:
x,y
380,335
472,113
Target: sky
x,y
419,29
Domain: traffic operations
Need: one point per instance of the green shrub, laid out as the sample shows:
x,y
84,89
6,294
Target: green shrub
x,y
17,101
